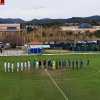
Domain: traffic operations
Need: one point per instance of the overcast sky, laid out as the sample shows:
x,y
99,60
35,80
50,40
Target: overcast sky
x,y
30,9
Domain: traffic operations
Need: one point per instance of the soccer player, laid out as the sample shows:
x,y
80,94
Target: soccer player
x,y
54,64
25,65
69,63
29,65
8,67
44,63
73,65
5,66
22,66
49,64
81,64
12,67
77,64
18,66
37,65
40,64
64,62
60,64
88,62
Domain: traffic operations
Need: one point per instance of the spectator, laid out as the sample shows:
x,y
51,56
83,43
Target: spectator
x,y
1,50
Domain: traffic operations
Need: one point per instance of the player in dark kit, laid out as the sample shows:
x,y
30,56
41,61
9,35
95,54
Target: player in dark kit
x,y
73,65
81,64
69,63
77,64
1,50
88,62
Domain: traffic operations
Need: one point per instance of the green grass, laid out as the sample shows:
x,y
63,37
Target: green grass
x,y
77,85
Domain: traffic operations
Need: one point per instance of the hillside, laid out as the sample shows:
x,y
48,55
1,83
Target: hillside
x,y
94,20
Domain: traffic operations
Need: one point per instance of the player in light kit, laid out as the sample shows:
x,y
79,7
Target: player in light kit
x,y
12,67
29,65
5,66
18,65
25,65
8,67
37,64
54,64
22,66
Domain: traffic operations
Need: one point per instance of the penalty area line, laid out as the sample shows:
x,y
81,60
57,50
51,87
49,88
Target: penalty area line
x,y
56,85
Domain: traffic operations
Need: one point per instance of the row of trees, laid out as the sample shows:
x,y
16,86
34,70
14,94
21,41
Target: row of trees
x,y
47,34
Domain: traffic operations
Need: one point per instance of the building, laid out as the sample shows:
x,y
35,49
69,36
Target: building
x,y
85,25
9,27
8,30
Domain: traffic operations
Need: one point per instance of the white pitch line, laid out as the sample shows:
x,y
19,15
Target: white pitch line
x,y
73,54
54,82
70,53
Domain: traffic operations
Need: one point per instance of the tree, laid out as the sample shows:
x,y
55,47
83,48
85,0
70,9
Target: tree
x,y
97,33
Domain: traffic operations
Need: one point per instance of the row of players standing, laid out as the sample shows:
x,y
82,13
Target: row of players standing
x,y
62,64
19,67
46,64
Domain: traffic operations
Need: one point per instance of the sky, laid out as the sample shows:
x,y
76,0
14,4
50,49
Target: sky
x,y
37,9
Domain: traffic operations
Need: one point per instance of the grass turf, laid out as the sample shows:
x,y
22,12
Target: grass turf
x,y
77,85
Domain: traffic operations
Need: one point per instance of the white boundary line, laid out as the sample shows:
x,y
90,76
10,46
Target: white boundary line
x,y
70,53
56,85
73,54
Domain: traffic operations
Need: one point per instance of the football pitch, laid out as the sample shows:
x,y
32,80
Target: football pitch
x,y
68,84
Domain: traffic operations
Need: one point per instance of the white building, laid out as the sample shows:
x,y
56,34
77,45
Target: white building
x,y
77,29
